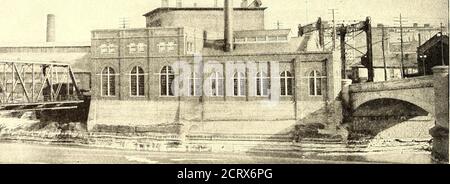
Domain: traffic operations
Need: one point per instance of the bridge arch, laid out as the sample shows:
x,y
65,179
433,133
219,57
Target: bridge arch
x,y
390,118
422,102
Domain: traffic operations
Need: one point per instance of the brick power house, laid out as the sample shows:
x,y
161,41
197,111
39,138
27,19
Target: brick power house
x,y
214,70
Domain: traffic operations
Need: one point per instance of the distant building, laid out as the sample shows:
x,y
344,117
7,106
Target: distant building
x,y
434,52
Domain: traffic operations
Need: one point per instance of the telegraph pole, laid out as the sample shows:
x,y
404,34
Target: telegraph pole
x,y
334,29
382,48
401,46
442,46
124,22
279,24
342,34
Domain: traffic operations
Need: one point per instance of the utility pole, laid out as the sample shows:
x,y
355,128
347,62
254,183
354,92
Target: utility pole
x,y
334,29
124,22
442,46
342,33
368,30
384,57
400,20
401,47
279,24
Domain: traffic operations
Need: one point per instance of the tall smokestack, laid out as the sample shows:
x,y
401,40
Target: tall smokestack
x,y
51,30
228,32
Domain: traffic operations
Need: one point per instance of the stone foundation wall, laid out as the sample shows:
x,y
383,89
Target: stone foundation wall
x,y
223,117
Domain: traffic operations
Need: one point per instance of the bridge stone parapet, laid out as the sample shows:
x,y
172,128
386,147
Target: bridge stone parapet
x,y
411,83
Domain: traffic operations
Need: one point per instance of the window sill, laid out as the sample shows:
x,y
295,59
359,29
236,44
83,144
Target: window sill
x,y
137,96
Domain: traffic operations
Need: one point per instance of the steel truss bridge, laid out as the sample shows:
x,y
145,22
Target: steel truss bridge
x,y
27,85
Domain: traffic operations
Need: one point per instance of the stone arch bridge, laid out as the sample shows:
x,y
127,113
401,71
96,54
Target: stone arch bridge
x,y
419,96
418,91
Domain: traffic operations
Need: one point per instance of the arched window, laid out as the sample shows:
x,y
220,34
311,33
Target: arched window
x,y
137,84
262,84
216,84
239,84
108,82
286,81
195,85
315,83
166,79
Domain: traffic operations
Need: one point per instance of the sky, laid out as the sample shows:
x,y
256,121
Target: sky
x,y
25,20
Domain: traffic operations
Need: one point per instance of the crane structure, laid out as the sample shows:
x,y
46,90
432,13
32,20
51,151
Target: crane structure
x,y
367,58
317,26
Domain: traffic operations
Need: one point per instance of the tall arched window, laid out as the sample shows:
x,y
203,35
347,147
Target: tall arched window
x,y
239,84
108,82
262,84
166,79
286,81
315,83
137,84
216,84
195,83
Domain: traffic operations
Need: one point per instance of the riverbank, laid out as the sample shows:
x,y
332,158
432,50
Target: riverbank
x,y
327,148
317,149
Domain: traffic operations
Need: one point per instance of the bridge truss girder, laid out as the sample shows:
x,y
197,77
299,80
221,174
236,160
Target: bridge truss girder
x,y
367,58
37,86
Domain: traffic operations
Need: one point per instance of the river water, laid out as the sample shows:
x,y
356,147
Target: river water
x,y
38,153
389,146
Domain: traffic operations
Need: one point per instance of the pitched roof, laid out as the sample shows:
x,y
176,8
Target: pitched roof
x,y
431,42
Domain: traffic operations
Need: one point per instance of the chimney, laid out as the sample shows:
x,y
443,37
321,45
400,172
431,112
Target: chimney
x,y
244,4
51,35
380,25
228,28
426,25
164,3
415,25
179,3
215,4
